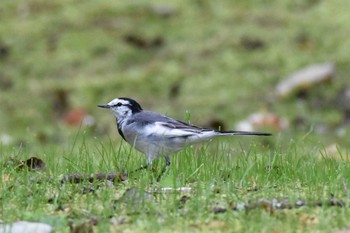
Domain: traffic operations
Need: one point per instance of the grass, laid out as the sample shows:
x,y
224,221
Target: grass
x,y
59,56
218,178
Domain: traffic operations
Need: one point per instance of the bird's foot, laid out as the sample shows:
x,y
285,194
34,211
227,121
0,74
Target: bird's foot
x,y
163,172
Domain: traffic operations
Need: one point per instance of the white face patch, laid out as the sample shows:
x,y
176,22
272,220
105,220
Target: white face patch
x,y
120,108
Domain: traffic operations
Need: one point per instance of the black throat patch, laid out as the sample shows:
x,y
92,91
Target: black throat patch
x,y
120,130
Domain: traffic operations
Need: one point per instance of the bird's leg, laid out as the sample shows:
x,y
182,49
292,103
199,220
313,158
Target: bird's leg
x,y
165,169
147,165
143,167
167,160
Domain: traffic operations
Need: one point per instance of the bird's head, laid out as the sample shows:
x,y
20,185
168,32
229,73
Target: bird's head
x,y
122,107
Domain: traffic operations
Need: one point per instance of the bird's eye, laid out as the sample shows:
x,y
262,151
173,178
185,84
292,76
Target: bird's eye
x,y
119,104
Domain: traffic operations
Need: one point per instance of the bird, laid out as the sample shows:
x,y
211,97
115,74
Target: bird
x,y
158,135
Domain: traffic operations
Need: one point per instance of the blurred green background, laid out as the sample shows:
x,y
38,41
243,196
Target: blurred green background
x,y
218,60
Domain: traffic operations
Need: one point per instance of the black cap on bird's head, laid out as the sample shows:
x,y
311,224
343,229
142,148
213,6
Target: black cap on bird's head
x,y
134,106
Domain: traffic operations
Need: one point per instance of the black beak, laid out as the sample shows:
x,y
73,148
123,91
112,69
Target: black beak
x,y
103,106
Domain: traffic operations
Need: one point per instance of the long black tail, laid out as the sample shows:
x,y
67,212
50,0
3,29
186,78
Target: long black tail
x,y
243,133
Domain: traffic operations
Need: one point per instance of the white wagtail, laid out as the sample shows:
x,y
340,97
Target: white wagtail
x,y
154,134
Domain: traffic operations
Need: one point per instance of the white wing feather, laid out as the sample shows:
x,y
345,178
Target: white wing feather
x,y
164,129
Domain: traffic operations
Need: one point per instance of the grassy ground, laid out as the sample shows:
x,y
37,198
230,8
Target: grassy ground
x,y
218,61
235,192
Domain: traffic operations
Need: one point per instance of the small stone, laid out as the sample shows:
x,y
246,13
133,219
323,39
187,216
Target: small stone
x,y
163,10
305,79
5,139
300,203
219,210
262,120
27,227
